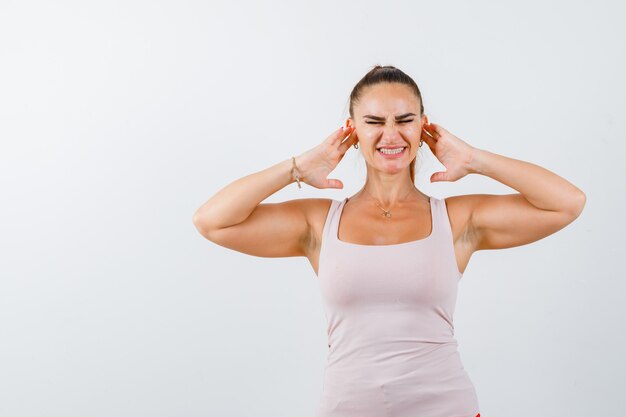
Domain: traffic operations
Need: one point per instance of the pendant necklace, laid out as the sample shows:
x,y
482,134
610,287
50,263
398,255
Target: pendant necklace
x,y
385,213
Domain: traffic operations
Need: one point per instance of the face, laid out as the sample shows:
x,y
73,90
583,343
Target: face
x,y
387,116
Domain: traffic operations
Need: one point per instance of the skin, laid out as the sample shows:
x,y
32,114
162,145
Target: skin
x,y
236,218
388,179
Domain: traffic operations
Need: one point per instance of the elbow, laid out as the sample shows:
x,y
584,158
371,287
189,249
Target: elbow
x,y
195,219
578,204
200,227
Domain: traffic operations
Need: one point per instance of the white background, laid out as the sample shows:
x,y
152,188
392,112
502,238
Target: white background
x,y
119,119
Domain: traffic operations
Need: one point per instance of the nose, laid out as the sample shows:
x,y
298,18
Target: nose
x,y
392,130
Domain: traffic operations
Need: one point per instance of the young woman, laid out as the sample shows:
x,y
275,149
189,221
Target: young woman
x,y
389,258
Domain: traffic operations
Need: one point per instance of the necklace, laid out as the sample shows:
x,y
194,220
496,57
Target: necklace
x,y
385,213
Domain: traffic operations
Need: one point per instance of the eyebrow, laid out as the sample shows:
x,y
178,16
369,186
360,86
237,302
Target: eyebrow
x,y
402,116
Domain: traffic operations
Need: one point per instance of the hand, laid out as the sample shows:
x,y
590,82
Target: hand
x,y
451,151
315,164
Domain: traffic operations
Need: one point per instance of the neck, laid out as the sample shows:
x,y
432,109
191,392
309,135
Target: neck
x,y
390,196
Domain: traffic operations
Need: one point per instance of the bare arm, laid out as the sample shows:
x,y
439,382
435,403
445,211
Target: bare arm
x,y
235,217
545,203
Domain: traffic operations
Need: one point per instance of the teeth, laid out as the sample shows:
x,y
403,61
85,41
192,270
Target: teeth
x,y
390,151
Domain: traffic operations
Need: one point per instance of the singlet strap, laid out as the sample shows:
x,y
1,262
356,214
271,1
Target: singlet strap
x,y
330,217
442,219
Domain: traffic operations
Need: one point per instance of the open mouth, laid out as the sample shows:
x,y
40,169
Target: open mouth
x,y
391,152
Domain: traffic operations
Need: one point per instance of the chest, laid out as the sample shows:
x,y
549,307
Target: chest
x,y
393,275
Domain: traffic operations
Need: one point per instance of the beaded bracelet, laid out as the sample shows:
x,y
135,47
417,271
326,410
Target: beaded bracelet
x,y
294,171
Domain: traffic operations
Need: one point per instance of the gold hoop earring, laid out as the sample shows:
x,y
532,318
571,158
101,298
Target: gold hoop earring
x,y
356,145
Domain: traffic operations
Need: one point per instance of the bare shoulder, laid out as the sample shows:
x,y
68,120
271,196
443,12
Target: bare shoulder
x,y
314,211
316,208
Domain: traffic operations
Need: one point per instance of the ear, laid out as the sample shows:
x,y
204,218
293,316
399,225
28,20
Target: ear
x,y
350,122
424,120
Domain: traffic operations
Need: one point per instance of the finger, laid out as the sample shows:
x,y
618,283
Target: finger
x,y
430,129
338,135
436,130
345,145
429,137
430,141
439,176
333,183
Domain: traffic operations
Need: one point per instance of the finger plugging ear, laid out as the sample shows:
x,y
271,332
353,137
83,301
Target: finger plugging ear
x,y
426,137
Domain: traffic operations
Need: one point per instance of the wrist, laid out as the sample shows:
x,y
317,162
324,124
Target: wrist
x,y
296,170
475,160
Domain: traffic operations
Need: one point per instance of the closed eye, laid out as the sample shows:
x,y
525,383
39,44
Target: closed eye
x,y
378,123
